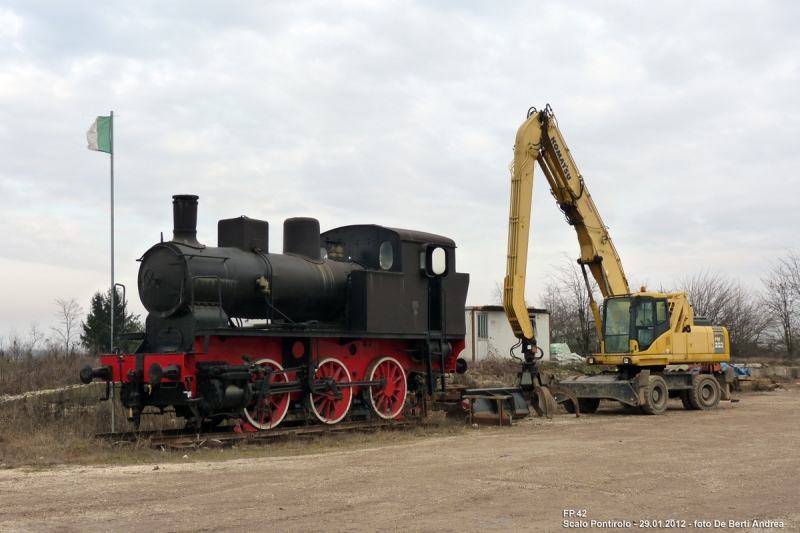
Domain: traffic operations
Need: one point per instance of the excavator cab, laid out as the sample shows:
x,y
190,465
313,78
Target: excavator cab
x,y
646,316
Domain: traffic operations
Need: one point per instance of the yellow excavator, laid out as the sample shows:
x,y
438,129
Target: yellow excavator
x,y
660,349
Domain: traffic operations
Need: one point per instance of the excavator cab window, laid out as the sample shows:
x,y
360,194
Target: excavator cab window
x,y
645,321
651,320
662,312
616,325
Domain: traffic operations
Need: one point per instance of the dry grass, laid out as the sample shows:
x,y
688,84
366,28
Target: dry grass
x,y
42,372
763,384
502,372
490,372
35,432
37,435
40,437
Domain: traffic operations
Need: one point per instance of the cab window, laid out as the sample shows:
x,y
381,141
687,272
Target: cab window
x,y
385,255
616,325
661,312
644,314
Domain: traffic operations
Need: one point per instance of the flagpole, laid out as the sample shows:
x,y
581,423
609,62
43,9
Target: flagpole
x,y
113,286
113,289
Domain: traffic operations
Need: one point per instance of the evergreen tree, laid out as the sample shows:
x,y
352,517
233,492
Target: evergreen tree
x,y
96,330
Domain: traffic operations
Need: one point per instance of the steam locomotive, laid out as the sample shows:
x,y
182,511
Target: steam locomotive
x,y
360,320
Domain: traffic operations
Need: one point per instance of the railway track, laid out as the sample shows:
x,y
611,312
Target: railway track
x,y
190,439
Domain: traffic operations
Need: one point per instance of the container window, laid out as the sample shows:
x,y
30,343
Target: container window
x,y
483,326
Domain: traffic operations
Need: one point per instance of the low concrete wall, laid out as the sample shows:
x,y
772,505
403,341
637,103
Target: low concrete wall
x,y
56,400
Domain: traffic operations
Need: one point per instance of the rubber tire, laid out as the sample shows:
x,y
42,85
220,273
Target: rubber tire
x,y
705,393
656,396
685,400
588,405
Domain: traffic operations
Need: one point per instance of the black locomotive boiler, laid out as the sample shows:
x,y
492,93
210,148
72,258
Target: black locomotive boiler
x,y
356,320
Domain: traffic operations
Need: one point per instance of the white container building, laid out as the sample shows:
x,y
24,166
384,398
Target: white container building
x,y
489,333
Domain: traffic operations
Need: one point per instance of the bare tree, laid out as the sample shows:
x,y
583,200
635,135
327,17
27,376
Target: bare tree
x,y
35,336
69,320
727,302
16,344
781,302
709,294
497,293
571,319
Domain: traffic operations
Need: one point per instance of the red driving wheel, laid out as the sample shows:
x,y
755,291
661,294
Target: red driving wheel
x,y
266,413
325,406
387,401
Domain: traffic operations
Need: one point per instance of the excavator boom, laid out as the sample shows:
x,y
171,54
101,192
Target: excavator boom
x,y
540,140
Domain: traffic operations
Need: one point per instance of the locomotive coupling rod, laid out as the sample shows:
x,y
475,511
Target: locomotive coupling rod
x,y
338,385
281,388
334,395
380,382
258,370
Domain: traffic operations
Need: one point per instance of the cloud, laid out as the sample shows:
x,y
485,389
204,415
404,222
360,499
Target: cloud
x,y
682,117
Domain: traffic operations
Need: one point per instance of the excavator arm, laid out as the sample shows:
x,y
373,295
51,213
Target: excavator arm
x,y
539,139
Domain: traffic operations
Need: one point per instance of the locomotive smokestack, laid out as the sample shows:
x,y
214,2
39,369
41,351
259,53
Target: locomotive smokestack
x,y
184,216
301,238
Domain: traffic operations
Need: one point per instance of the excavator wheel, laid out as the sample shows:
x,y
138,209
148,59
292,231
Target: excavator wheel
x,y
589,405
656,396
566,397
585,405
543,402
704,393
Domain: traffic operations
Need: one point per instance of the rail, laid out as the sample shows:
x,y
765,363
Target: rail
x,y
189,439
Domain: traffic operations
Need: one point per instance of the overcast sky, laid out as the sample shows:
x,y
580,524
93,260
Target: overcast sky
x,y
682,116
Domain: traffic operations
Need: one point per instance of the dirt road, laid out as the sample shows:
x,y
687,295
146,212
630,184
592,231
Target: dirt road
x,y
739,462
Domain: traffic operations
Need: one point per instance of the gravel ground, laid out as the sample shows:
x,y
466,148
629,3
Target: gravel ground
x,y
739,462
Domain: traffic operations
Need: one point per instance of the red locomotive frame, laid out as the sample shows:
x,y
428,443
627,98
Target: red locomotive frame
x,y
362,360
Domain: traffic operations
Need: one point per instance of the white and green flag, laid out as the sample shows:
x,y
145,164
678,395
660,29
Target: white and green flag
x,y
99,135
